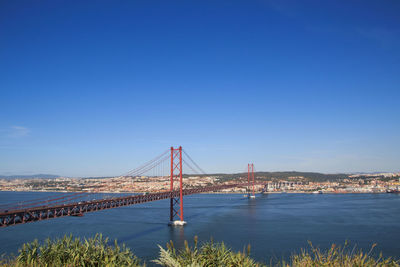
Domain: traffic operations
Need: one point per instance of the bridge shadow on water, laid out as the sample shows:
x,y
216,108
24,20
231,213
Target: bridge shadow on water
x,y
142,233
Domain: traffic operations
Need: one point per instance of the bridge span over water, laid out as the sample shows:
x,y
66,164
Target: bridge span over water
x,y
38,210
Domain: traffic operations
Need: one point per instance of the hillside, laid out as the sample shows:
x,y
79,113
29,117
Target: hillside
x,y
34,176
309,176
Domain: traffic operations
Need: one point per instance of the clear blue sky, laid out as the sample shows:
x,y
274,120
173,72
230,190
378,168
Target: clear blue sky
x,y
98,87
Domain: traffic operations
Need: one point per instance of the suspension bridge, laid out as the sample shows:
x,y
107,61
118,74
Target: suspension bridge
x,y
72,204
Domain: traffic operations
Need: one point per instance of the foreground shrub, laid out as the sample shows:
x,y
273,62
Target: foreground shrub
x,y
338,256
218,255
209,254
69,251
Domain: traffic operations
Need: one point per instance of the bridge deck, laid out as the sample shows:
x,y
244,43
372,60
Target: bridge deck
x,y
14,217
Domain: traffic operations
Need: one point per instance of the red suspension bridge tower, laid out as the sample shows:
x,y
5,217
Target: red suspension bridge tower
x,y
250,175
176,203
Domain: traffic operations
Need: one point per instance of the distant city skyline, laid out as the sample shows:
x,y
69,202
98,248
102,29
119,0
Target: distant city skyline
x,y
50,176
98,88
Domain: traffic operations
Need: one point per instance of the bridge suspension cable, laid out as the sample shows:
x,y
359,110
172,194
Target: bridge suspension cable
x,y
38,203
62,197
190,167
148,165
194,163
10,204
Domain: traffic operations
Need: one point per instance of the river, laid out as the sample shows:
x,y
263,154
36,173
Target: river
x,y
275,224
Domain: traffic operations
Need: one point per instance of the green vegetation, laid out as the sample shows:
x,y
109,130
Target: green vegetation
x,y
217,254
69,251
209,254
338,256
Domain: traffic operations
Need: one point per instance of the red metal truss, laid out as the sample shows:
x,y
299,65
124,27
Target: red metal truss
x,y
252,175
176,203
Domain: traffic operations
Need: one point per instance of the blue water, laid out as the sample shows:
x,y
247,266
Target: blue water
x,y
275,225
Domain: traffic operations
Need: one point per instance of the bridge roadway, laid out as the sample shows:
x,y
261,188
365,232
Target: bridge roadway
x,y
14,217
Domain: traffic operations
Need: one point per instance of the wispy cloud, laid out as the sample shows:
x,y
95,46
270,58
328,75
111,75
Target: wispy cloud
x,y
14,131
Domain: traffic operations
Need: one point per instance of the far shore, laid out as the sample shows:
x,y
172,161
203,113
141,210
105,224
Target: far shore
x,y
205,193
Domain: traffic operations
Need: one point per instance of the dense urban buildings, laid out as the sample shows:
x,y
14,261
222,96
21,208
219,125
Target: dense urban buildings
x,y
354,183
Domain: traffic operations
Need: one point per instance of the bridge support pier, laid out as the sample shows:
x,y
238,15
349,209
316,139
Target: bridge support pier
x,y
176,201
177,223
